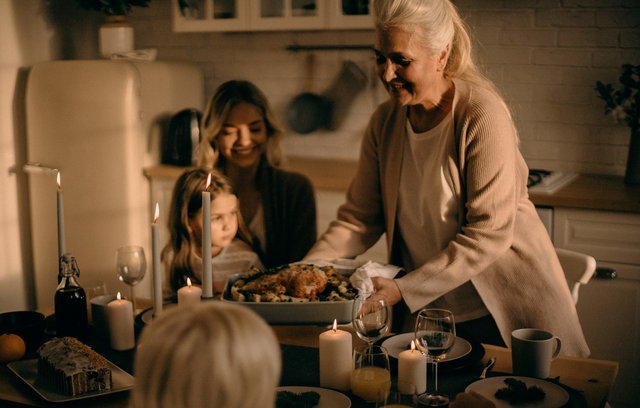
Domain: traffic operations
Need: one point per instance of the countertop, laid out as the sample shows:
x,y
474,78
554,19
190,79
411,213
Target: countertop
x,y
587,191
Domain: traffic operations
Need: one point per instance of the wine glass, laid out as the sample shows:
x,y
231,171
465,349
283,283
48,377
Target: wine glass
x,y
371,318
435,335
130,267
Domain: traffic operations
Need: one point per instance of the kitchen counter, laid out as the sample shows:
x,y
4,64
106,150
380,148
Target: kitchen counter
x,y
587,191
594,192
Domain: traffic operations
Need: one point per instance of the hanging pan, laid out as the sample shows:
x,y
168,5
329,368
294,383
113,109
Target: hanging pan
x,y
309,111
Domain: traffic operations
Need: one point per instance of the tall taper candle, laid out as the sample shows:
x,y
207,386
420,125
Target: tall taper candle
x,y
207,278
157,273
62,246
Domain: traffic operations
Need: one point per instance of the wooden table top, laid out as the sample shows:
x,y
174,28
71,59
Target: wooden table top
x,y
594,377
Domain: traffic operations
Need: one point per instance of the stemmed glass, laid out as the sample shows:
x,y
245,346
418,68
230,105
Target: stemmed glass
x,y
130,267
435,335
371,318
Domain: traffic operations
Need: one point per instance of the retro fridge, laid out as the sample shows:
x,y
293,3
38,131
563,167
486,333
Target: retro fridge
x,y
100,124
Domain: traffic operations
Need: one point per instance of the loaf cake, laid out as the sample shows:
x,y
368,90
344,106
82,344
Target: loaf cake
x,y
72,368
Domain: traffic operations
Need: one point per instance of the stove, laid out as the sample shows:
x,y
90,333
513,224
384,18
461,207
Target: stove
x,y
547,181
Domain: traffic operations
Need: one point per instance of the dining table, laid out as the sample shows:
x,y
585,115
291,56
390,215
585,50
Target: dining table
x,y
587,380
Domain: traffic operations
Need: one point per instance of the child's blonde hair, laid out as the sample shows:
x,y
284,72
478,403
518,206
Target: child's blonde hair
x,y
211,354
186,202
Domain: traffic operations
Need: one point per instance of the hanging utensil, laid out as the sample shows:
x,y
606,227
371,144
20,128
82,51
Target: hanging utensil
x,y
345,88
309,111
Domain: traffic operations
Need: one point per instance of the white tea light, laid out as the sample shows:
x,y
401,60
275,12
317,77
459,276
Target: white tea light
x,y
189,294
335,358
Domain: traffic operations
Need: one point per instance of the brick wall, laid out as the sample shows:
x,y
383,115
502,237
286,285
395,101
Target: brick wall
x,y
544,55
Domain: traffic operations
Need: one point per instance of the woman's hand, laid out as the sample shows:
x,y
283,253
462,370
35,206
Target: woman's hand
x,y
387,289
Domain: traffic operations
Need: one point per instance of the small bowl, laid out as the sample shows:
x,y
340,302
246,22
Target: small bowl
x,y
26,324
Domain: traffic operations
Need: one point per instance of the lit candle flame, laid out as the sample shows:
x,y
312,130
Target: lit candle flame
x,y
188,282
208,182
118,296
58,180
157,214
413,345
335,324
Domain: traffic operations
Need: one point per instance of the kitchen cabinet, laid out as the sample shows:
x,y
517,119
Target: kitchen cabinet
x,y
609,309
270,15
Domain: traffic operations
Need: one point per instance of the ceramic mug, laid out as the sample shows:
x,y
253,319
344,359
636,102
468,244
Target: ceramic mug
x,y
532,351
100,320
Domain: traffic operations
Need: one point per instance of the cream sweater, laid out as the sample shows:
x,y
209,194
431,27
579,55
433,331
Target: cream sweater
x,y
502,246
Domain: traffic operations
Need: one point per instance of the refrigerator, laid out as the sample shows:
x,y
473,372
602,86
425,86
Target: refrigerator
x,y
99,123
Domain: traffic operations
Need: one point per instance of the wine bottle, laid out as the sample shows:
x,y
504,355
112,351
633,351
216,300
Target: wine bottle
x,y
71,302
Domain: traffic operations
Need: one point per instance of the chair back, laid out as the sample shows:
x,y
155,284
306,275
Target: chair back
x,y
578,269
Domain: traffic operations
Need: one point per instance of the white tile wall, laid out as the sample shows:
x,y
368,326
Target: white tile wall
x,y
545,56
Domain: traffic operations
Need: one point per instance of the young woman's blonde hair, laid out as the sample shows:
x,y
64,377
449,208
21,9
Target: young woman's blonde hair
x,y
437,26
186,202
211,354
226,97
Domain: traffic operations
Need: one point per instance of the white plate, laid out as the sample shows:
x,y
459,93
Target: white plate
x,y
328,398
400,342
555,395
27,370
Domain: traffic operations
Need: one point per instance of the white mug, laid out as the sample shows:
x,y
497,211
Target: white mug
x,y
532,351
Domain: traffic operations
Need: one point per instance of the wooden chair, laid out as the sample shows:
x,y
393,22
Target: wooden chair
x,y
578,269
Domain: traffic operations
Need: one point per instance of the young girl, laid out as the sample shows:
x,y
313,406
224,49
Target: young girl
x,y
230,246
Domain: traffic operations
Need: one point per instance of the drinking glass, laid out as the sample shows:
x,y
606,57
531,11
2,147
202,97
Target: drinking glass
x,y
435,333
371,376
130,267
402,395
371,318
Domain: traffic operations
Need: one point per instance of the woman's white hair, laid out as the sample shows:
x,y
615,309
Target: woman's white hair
x,y
211,354
438,26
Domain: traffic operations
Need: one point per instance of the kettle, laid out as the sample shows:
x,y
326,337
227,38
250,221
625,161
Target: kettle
x,y
180,142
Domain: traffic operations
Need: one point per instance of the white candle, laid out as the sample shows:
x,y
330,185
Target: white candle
x,y
335,358
120,315
189,294
412,369
207,278
62,246
157,273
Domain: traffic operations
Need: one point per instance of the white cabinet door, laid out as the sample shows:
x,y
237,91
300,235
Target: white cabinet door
x,y
287,15
211,15
349,14
270,15
609,309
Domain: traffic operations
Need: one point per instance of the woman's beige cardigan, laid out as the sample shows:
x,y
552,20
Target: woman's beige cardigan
x,y
502,246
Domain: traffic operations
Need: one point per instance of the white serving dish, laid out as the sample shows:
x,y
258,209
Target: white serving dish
x,y
316,312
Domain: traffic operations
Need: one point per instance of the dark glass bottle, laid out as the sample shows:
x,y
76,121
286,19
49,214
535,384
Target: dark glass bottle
x,y
71,302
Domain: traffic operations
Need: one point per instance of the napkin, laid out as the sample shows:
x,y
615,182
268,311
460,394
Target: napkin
x,y
361,277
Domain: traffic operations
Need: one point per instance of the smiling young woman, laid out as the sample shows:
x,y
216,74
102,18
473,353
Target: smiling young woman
x,y
242,139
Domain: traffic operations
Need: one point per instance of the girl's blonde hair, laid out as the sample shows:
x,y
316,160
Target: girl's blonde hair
x,y
186,202
226,97
437,25
211,354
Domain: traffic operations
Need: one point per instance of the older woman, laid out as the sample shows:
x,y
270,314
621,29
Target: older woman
x,y
242,139
441,174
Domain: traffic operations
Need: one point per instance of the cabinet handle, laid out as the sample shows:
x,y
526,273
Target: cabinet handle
x,y
606,273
